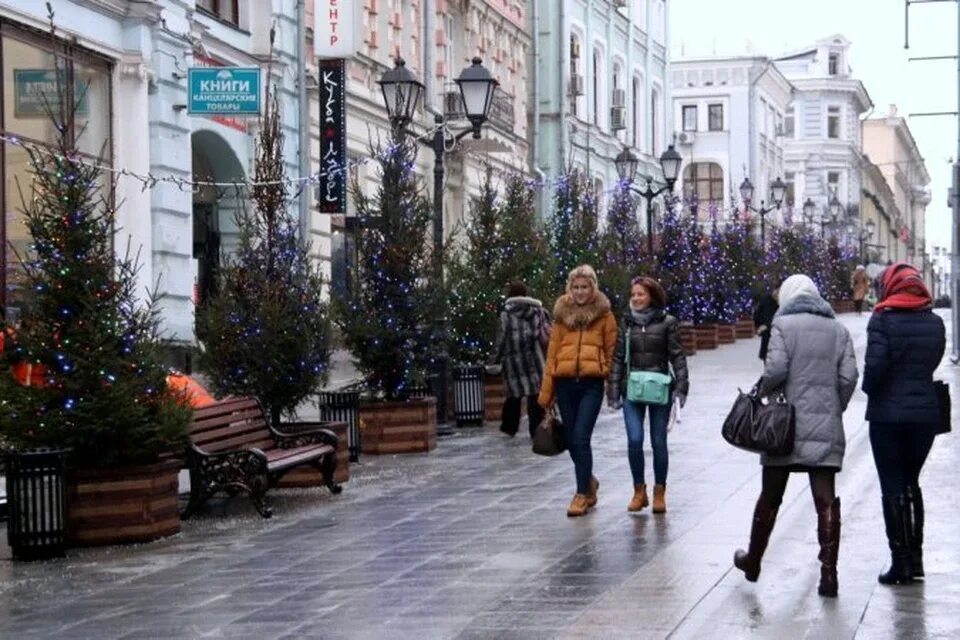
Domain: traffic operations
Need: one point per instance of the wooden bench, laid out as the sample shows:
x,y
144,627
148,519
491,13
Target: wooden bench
x,y
234,448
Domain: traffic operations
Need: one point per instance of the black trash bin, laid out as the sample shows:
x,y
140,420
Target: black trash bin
x,y
37,503
468,400
344,406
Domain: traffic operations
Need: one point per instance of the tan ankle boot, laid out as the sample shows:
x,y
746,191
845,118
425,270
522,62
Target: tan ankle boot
x,y
659,498
594,487
639,500
579,505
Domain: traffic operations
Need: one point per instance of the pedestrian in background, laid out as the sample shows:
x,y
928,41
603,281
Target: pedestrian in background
x,y
861,286
581,347
811,357
654,345
905,343
763,317
520,349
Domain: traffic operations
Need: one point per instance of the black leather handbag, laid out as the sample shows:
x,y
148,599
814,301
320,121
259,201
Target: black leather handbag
x,y
761,425
550,439
943,400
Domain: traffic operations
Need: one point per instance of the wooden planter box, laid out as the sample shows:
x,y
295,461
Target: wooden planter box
x,y
494,394
706,336
399,427
688,339
842,306
726,333
122,505
745,328
311,477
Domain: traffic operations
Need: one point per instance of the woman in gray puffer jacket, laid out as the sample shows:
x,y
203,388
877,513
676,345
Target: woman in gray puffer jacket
x,y
810,357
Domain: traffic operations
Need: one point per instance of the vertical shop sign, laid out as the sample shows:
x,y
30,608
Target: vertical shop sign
x,y
332,192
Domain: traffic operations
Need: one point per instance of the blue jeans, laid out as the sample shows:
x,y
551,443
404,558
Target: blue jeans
x,y
633,413
579,402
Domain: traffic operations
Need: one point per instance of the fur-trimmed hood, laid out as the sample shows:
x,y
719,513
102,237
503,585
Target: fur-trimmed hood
x,y
523,306
575,316
806,304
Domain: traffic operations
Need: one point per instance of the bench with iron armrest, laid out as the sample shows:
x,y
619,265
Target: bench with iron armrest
x,y
233,448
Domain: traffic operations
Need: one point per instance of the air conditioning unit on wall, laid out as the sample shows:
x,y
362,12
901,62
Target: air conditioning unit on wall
x,y
619,4
576,84
618,118
686,137
619,97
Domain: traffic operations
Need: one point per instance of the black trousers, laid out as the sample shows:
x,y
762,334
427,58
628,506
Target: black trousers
x,y
899,451
858,305
510,421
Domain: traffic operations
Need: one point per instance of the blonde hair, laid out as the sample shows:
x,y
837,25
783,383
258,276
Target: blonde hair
x,y
583,271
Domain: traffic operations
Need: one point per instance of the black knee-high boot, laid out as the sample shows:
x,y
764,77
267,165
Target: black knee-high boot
x,y
764,516
915,498
896,516
828,534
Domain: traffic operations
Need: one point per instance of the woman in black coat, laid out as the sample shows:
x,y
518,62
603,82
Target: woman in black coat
x,y
905,343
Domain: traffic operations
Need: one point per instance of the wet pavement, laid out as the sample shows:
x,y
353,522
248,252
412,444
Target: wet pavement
x,y
472,541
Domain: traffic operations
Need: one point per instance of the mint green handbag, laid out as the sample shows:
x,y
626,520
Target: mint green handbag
x,y
648,387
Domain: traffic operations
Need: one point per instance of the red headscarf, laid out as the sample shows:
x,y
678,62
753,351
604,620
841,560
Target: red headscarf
x,y
903,288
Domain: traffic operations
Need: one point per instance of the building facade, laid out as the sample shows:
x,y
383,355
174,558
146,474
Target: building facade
x,y
891,147
436,39
728,116
822,137
133,57
879,206
600,84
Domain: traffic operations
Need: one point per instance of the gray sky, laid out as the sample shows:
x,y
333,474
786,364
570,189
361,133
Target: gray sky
x,y
877,58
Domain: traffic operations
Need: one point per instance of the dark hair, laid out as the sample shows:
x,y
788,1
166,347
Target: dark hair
x,y
516,288
658,298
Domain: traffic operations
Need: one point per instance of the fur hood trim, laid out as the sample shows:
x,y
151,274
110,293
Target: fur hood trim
x,y
574,316
806,304
522,301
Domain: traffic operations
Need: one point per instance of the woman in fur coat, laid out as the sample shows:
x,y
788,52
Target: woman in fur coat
x,y
579,355
520,349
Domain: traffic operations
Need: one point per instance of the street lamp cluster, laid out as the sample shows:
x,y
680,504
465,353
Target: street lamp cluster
x,y
401,96
627,163
777,192
834,209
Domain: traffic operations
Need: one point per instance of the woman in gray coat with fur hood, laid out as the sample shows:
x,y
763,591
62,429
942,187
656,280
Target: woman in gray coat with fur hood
x,y
811,358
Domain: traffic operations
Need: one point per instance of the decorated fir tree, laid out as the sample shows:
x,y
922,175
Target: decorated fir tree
x,y
717,269
524,251
622,246
676,262
266,329
390,321
98,385
572,228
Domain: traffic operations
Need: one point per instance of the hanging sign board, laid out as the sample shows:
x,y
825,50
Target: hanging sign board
x,y
337,25
232,91
332,190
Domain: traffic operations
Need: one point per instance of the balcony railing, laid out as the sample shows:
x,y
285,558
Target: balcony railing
x,y
501,113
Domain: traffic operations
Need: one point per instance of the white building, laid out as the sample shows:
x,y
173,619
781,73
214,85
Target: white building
x,y
823,140
134,58
728,116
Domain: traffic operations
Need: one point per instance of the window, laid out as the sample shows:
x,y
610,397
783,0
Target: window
x,y
689,117
574,73
27,60
764,130
833,64
789,198
637,105
833,122
788,123
654,122
715,117
833,182
705,180
226,10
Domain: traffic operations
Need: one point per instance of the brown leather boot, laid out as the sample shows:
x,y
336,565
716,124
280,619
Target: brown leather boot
x,y
579,506
764,516
828,534
639,500
659,498
594,487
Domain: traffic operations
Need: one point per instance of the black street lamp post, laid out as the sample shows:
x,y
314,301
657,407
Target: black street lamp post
x,y
862,234
627,163
777,191
401,96
830,217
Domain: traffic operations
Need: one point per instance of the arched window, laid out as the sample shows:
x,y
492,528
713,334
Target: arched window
x,y
596,87
655,122
576,77
705,179
637,102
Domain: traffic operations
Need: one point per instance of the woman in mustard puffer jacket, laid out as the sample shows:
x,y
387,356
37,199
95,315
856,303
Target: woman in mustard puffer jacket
x,y
582,341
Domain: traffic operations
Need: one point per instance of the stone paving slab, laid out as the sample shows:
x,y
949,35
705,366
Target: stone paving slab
x,y
471,541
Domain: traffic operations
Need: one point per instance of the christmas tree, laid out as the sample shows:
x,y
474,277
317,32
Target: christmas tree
x,y
623,255
723,304
573,227
266,329
101,388
524,249
677,262
390,323
744,255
